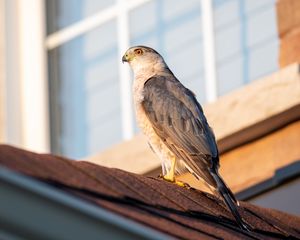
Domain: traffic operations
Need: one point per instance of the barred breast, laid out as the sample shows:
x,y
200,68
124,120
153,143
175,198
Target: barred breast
x,y
158,146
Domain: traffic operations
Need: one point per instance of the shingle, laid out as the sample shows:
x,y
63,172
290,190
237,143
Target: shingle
x,y
180,212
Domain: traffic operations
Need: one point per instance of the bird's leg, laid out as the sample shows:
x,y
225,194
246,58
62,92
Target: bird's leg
x,y
170,176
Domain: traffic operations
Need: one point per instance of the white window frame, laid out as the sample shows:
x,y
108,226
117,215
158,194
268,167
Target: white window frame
x,y
26,100
27,66
209,49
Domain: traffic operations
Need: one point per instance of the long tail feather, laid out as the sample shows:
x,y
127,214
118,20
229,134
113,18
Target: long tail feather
x,y
229,199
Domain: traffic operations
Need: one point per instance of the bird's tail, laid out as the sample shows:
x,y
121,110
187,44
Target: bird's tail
x,y
229,199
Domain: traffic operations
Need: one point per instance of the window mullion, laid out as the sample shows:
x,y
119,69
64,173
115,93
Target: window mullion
x,y
209,50
125,82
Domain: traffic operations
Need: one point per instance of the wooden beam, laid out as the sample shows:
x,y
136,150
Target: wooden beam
x,y
257,161
256,109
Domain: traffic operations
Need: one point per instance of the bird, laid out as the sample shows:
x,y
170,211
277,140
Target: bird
x,y
174,123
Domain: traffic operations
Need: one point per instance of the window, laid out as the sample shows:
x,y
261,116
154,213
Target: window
x,y
85,92
246,41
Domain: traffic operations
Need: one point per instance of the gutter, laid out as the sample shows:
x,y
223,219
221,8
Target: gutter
x,y
30,209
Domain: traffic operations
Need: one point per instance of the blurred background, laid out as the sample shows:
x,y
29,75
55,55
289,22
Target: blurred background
x,y
64,89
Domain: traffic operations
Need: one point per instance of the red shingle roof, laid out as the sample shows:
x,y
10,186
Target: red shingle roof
x,y
179,212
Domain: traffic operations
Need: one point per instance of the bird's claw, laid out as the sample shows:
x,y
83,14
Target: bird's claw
x,y
178,183
182,184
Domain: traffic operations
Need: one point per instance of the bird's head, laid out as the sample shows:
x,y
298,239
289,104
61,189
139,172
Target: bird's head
x,y
142,57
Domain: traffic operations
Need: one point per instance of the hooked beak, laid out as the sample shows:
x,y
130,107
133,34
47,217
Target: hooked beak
x,y
124,59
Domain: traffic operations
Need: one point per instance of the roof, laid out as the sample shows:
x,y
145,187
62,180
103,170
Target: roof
x,y
178,212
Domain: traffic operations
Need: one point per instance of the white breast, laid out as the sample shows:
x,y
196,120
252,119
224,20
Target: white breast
x,y
142,119
145,125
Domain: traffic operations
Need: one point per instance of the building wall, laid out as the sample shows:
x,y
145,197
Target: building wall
x,y
288,12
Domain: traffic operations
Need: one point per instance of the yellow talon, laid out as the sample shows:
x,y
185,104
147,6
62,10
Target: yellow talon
x,y
178,183
182,184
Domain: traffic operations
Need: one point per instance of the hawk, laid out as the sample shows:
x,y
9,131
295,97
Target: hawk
x,y
174,123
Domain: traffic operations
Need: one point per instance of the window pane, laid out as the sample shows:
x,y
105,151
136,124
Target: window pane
x,y
62,13
84,93
246,41
173,28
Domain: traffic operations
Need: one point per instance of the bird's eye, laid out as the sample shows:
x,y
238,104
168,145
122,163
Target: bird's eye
x,y
138,51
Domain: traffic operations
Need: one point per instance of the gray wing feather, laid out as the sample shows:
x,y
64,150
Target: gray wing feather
x,y
179,121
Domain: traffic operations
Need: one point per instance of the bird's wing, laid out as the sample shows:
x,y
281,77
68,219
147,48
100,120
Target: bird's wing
x,y
178,120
